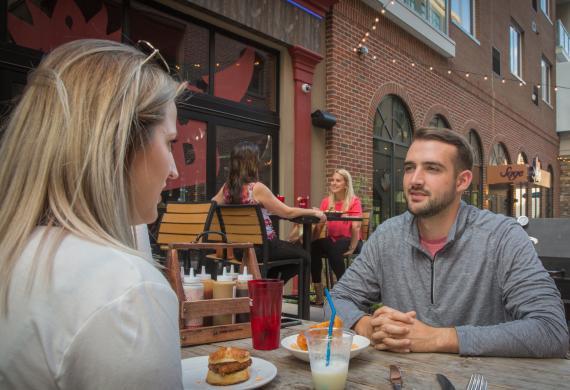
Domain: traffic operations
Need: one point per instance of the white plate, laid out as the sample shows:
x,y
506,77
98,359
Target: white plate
x,y
290,344
194,371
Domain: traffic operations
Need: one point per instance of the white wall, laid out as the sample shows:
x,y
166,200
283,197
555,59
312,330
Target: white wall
x,y
563,97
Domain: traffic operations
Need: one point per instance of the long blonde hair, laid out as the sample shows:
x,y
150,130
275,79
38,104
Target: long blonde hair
x,y
67,146
349,194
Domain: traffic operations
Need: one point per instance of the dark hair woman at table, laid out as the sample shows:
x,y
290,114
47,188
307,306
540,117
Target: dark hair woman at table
x,y
85,156
243,187
343,237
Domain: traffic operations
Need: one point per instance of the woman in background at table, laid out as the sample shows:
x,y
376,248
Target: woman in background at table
x,y
85,156
243,187
343,237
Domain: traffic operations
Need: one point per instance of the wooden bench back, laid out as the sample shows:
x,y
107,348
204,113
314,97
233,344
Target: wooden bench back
x,y
183,222
242,223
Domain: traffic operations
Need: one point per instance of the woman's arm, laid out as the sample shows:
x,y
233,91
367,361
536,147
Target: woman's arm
x,y
354,237
219,197
354,210
263,195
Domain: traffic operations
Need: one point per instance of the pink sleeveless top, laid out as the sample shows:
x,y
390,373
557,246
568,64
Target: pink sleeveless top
x,y
247,198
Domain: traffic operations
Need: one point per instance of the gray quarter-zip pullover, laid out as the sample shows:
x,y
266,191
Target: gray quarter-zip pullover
x,y
487,282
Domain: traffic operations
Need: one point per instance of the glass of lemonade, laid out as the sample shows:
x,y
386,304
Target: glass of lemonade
x,y
333,375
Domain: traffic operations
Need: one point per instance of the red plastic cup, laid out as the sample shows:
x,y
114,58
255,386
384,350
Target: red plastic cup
x,y
281,198
265,312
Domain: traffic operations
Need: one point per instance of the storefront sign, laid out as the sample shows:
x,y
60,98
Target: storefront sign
x,y
543,179
512,173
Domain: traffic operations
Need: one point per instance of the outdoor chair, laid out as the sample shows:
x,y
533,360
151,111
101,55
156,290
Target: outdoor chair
x,y
184,222
244,223
364,232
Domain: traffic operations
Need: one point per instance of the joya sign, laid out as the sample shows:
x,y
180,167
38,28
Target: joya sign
x,y
512,173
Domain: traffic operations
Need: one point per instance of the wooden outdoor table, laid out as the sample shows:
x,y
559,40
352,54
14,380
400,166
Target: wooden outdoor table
x,y
369,370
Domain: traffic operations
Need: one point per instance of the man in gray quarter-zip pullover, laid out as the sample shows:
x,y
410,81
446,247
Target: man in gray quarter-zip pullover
x,y
453,278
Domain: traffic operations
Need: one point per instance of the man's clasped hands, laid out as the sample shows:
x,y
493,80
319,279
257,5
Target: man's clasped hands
x,y
392,330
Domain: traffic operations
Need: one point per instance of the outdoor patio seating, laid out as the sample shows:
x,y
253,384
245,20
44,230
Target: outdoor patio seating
x,y
244,223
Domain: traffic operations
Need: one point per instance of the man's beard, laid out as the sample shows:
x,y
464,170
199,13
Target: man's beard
x,y
434,206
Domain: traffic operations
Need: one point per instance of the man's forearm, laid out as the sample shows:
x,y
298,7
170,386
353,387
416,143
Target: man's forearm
x,y
520,338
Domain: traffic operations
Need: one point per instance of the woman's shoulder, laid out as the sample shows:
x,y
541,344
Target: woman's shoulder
x,y
93,260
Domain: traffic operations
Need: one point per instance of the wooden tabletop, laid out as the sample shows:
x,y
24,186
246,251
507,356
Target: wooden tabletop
x,y
369,370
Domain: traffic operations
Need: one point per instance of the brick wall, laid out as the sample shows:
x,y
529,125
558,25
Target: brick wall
x,y
498,112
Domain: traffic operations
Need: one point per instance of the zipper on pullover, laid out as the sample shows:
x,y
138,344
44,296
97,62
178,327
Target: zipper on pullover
x,y
432,278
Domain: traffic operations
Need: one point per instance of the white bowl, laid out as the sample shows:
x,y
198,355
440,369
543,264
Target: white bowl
x,y
290,344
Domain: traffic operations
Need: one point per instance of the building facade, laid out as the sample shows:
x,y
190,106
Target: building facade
x,y
471,65
257,69
563,100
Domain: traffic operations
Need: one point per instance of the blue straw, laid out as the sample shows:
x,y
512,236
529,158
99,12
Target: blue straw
x,y
331,324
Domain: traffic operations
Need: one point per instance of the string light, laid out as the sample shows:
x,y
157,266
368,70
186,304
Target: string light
x,y
431,68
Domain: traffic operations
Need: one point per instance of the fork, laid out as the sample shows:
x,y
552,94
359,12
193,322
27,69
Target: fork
x,y
477,382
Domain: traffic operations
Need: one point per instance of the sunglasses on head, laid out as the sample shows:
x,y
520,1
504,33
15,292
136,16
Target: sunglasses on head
x,y
152,52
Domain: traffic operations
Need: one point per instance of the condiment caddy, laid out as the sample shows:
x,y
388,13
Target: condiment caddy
x,y
199,313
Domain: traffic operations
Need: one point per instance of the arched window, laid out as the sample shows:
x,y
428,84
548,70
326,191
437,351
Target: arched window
x,y
521,193
392,138
439,121
473,195
549,196
500,195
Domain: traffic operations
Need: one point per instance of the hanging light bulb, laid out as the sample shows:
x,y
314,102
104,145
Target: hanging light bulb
x,y
466,74
431,68
367,34
485,78
538,86
556,89
449,71
503,81
394,61
383,11
520,84
373,57
413,64
377,20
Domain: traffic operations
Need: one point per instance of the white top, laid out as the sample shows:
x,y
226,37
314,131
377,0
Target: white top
x,y
107,320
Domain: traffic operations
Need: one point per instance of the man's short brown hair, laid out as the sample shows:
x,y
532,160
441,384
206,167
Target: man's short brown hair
x,y
464,156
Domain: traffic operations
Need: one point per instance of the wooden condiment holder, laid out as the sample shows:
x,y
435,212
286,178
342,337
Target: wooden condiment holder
x,y
210,307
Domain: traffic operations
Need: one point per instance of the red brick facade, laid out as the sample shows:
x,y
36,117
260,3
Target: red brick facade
x,y
498,112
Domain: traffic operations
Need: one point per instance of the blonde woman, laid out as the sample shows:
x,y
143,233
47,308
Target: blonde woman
x,y
343,237
85,155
